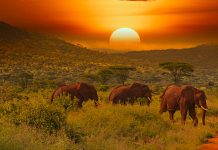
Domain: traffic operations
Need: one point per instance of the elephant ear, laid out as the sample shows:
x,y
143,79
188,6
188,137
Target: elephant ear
x,y
198,93
78,86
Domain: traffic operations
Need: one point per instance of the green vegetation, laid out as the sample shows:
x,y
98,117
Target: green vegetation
x,y
32,66
122,73
106,127
104,75
177,70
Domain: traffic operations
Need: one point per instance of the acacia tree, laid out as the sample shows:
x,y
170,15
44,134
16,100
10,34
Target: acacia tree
x,y
104,75
177,70
122,73
24,78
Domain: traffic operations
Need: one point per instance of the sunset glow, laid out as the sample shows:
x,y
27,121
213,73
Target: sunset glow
x,y
160,23
124,38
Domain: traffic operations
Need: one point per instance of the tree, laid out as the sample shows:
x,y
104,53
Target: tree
x,y
104,75
24,79
122,72
177,70
90,78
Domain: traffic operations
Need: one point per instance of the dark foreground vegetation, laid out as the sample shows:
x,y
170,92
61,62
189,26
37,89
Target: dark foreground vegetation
x,y
33,65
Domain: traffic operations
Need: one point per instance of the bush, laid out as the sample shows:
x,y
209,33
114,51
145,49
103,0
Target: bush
x,y
25,138
66,103
48,118
45,117
142,101
74,134
103,88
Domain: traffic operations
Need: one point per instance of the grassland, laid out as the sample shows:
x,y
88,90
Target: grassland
x,y
36,124
32,65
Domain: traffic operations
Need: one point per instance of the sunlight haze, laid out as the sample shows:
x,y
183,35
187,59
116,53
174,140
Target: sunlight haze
x,y
160,23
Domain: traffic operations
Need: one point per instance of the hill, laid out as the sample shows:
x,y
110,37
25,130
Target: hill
x,y
17,39
203,55
12,38
51,60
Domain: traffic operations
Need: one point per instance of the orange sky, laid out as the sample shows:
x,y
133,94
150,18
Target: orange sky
x,y
160,23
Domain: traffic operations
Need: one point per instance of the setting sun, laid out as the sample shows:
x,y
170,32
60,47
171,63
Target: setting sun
x,y
125,38
160,23
109,74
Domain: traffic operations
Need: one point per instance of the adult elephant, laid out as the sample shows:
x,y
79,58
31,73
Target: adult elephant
x,y
183,98
82,91
129,93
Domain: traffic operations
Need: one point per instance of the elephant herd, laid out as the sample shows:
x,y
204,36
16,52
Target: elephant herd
x,y
174,97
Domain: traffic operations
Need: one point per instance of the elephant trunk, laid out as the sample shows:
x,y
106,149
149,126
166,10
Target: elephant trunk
x,y
96,100
203,116
52,99
204,109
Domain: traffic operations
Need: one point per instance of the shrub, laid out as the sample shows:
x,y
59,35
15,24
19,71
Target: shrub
x,y
45,117
74,134
66,103
103,88
142,101
48,118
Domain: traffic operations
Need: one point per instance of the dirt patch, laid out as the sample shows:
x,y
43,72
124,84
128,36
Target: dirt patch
x,y
211,145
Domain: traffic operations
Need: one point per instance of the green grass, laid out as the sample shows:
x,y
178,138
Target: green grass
x,y
105,127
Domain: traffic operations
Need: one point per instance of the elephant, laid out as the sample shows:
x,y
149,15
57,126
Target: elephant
x,y
82,91
129,93
183,98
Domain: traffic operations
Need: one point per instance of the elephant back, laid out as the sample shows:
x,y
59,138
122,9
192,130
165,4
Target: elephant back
x,y
170,98
188,93
87,91
119,93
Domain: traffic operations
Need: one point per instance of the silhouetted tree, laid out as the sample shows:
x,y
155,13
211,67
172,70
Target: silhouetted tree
x,y
24,79
177,70
122,72
104,75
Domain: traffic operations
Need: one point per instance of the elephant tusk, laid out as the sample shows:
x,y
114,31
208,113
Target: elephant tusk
x,y
204,108
149,99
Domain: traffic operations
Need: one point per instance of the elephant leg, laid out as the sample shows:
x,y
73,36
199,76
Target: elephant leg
x,y
124,102
171,115
132,102
183,110
192,114
80,103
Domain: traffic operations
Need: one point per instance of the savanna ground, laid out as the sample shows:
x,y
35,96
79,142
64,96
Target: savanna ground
x,y
34,123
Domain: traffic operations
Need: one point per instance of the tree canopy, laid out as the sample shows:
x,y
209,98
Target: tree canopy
x,y
122,72
177,70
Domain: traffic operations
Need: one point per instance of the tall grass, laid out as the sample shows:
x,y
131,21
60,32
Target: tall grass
x,y
34,123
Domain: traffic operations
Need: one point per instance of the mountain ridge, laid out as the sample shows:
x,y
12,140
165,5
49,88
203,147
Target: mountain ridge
x,y
15,39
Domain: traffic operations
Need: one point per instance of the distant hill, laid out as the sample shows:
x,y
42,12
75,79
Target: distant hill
x,y
14,39
17,39
203,55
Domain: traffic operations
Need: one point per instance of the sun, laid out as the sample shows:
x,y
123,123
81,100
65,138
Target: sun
x,y
126,38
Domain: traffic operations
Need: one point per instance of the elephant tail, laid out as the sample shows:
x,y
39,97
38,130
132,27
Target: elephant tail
x,y
53,96
109,98
161,97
